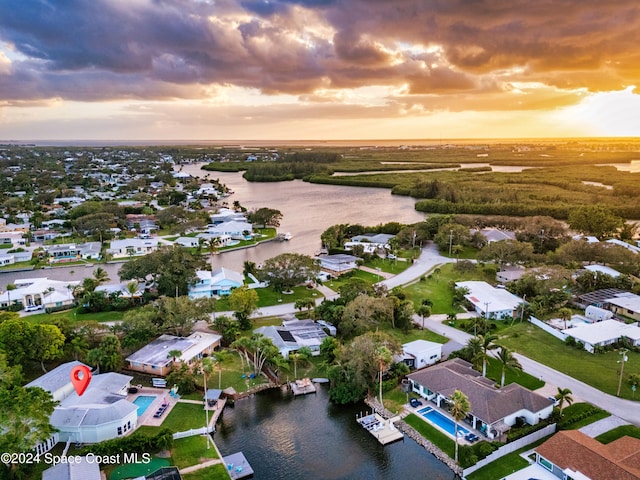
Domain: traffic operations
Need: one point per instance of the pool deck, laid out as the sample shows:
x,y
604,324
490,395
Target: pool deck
x,y
461,439
162,395
381,428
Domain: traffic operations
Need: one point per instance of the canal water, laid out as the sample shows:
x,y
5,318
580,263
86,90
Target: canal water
x,y
286,437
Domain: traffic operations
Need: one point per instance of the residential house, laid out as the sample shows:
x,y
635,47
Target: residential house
x,y
370,242
620,243
79,468
603,269
187,242
43,235
223,240
493,410
122,290
39,291
15,227
71,252
606,332
217,283
625,304
226,215
131,247
421,353
494,234
337,264
292,335
599,298
236,229
510,274
491,302
101,413
15,239
154,359
570,454
15,257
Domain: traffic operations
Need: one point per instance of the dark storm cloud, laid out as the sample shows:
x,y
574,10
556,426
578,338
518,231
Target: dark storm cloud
x,y
114,49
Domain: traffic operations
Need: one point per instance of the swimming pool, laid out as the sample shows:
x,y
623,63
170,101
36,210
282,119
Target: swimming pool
x,y
441,421
143,402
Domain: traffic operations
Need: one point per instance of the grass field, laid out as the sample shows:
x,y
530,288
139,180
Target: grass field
x,y
191,451
435,436
598,370
73,317
215,472
618,432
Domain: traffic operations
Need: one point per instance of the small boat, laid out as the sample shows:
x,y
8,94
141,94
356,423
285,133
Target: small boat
x,y
320,380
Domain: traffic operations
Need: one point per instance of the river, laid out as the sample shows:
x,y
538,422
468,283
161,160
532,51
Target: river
x,y
308,209
285,437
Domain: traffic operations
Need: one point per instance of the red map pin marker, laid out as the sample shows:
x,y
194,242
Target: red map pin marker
x,y
80,377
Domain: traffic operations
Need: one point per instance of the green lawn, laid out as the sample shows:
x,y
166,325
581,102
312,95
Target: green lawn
x,y
598,370
232,371
436,287
336,283
578,410
72,317
506,465
185,416
494,371
215,472
191,451
132,470
268,297
435,436
618,432
413,334
389,266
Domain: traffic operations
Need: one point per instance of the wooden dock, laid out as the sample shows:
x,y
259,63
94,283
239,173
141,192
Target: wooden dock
x,y
302,387
381,428
237,466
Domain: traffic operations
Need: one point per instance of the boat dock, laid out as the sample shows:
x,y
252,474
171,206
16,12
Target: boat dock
x,y
237,466
302,387
381,428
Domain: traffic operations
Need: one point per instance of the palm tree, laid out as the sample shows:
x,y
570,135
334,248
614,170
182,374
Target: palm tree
x,y
474,347
212,246
249,268
173,354
508,361
294,357
565,314
563,395
220,357
307,303
460,407
101,276
383,357
424,311
207,368
487,344
79,347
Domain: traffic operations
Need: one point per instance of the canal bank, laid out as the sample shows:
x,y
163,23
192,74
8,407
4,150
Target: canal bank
x,y
309,437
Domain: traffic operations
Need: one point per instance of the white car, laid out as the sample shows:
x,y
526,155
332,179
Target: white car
x,y
32,308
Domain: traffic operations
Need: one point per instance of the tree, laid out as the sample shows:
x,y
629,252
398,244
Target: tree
x,y
132,290
353,288
219,358
139,326
460,407
563,396
565,315
424,311
174,354
78,347
47,343
487,344
506,252
364,313
101,276
265,217
212,246
179,315
108,355
288,270
257,349
507,360
596,220
383,357
307,303
243,301
249,268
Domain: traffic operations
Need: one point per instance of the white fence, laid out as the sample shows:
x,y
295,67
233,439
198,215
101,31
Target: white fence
x,y
511,447
548,329
193,432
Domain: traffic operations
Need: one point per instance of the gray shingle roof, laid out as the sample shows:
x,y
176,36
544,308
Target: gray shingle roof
x,y
56,378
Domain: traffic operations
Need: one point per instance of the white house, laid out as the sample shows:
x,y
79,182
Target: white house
x,y
625,304
132,247
420,353
494,234
226,215
337,264
371,242
235,229
604,333
80,468
491,302
626,245
153,358
603,269
70,252
39,291
597,314
295,334
493,410
217,283
101,413
187,242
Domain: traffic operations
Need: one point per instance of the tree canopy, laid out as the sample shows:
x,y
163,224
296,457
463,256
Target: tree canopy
x,y
265,217
288,270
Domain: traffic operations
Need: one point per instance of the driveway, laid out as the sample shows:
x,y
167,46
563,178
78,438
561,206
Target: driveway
x,y
429,259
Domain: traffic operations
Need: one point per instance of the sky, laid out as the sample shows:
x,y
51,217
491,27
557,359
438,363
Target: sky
x,y
318,69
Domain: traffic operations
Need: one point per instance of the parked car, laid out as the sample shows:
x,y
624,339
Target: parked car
x,y
32,308
414,402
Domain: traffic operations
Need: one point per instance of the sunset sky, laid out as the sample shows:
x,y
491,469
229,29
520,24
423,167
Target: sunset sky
x,y
323,69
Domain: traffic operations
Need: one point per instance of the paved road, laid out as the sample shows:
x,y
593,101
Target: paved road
x,y
429,259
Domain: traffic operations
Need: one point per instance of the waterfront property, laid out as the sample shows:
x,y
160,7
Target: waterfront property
x,y
154,359
101,413
370,242
493,410
40,291
442,421
80,468
72,252
214,284
143,402
572,454
237,465
337,264
295,334
132,247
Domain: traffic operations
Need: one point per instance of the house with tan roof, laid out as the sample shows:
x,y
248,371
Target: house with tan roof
x,y
493,410
572,454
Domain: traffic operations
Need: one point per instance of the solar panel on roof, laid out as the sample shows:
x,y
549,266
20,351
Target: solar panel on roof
x,y
286,335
